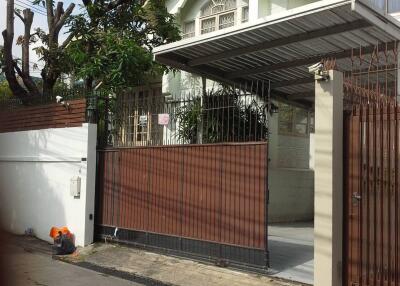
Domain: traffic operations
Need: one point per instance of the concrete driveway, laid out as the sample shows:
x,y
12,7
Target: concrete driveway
x,y
28,262
291,248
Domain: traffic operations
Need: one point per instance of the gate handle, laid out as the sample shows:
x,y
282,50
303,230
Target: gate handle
x,y
356,197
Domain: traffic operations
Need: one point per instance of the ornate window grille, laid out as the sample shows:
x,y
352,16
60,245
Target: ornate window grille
x,y
217,15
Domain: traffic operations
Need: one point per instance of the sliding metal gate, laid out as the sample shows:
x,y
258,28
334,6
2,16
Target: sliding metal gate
x,y
207,200
188,175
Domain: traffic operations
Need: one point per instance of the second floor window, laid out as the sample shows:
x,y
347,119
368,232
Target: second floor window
x,y
188,30
217,15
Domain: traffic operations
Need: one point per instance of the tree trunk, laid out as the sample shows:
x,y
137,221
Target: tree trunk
x,y
25,74
48,84
8,36
89,83
28,19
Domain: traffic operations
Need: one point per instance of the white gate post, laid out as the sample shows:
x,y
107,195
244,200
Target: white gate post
x,y
328,221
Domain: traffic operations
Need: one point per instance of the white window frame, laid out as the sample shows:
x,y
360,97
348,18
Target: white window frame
x,y
189,34
245,20
216,17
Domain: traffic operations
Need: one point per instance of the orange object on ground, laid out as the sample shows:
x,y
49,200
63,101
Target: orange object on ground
x,y
54,231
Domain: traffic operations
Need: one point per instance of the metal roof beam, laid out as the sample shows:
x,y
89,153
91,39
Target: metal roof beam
x,y
306,61
299,81
338,29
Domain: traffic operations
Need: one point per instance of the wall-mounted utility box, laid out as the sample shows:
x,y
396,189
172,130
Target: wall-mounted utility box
x,y
75,186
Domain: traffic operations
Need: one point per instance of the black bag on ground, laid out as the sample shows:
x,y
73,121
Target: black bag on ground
x,y
63,245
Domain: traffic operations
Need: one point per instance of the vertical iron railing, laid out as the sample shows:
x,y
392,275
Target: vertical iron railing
x,y
372,156
145,117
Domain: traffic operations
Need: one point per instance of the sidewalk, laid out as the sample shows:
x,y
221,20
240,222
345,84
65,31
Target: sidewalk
x,y
28,262
163,270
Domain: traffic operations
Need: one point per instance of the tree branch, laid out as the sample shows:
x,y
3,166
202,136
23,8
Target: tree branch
x,y
67,41
50,14
19,16
27,80
64,18
59,11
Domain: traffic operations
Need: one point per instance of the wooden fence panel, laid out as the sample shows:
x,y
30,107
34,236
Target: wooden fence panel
x,y
45,116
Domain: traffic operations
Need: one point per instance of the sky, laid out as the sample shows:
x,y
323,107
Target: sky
x,y
39,20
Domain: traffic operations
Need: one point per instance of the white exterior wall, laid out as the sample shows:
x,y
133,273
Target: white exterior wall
x,y
291,178
35,171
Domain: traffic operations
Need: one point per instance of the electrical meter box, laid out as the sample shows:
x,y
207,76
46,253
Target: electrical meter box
x,y
75,186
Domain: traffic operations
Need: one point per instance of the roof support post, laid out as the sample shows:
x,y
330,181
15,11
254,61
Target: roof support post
x,y
328,232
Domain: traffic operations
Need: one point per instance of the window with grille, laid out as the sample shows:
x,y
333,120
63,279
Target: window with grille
x,y
188,30
293,120
208,25
226,20
217,15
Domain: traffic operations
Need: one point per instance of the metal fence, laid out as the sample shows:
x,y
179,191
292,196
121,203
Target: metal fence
x,y
145,117
372,198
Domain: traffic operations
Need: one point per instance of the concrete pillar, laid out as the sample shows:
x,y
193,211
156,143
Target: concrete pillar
x,y
328,222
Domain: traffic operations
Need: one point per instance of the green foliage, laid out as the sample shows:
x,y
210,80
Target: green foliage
x,y
117,62
4,89
113,46
223,116
189,117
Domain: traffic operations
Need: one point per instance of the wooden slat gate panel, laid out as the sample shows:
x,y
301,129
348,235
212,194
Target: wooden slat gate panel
x,y
207,200
372,197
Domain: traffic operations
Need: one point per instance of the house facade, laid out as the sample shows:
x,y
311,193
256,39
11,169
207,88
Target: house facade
x,y
291,128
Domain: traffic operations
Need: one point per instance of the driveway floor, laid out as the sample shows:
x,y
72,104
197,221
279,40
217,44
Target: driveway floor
x,y
291,248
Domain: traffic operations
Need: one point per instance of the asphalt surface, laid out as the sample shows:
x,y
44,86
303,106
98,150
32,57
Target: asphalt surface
x,y
29,262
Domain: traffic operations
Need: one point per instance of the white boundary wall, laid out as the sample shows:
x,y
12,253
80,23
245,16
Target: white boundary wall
x,y
35,172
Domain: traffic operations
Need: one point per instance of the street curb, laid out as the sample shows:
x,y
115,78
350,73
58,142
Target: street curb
x,y
115,273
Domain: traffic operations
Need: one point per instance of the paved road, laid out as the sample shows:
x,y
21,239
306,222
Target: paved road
x,y
31,264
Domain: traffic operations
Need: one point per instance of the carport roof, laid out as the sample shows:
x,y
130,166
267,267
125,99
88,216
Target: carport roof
x,y
280,47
